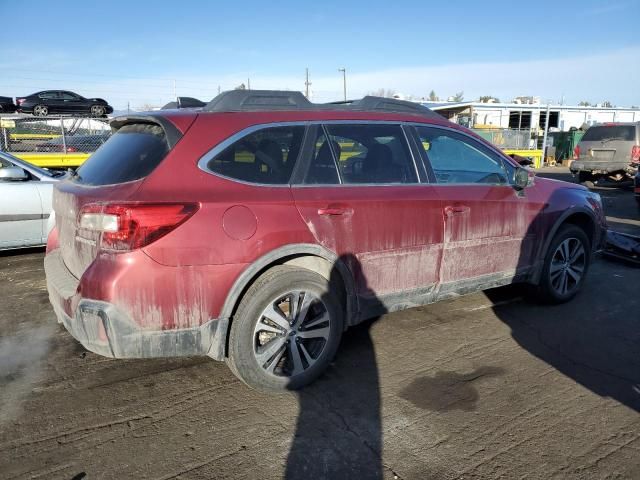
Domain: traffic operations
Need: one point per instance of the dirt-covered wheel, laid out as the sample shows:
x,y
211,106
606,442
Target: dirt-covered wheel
x,y
286,330
565,265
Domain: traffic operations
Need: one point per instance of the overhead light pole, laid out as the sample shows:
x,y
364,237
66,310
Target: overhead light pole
x,y
344,81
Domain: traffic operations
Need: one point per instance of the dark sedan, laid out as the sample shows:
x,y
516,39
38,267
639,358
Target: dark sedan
x,y
7,105
61,101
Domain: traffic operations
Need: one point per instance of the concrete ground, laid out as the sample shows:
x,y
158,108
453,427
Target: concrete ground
x,y
485,386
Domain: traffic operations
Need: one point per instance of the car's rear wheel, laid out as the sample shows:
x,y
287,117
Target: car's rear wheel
x,y
97,110
565,265
41,110
286,330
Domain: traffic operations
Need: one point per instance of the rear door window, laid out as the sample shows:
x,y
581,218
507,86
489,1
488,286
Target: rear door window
x,y
133,152
266,156
607,133
372,153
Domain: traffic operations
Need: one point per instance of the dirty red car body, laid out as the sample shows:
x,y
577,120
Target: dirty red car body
x,y
394,245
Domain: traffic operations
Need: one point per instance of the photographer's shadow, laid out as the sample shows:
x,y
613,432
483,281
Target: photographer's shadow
x,y
339,432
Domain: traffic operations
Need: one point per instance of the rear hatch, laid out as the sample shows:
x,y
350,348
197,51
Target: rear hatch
x,y
113,173
604,144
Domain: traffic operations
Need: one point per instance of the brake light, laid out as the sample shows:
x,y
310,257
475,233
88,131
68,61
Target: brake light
x,y
20,101
124,227
71,149
635,154
576,152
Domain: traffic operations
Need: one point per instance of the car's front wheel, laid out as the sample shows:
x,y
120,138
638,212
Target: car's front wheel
x,y
41,110
97,111
565,265
286,330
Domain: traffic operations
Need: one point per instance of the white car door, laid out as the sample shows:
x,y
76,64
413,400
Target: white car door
x,y
45,190
21,215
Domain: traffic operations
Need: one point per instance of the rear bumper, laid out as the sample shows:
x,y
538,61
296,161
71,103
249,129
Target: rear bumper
x,y
103,328
597,167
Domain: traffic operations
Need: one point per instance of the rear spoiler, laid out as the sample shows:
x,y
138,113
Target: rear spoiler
x,y
171,132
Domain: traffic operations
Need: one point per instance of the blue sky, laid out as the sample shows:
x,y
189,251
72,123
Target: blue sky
x,y
132,51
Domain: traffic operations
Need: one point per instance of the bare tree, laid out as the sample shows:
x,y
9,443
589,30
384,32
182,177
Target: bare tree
x,y
488,99
381,92
458,97
608,104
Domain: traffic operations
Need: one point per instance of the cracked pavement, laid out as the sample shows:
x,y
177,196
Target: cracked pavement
x,y
484,386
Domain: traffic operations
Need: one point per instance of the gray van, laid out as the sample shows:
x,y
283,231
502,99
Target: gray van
x,y
610,150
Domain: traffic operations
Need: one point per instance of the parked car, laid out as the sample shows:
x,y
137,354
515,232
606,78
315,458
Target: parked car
x,y
610,150
184,102
26,192
258,229
74,143
7,105
64,102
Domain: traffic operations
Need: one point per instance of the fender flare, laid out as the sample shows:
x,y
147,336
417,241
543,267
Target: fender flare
x,y
253,270
554,230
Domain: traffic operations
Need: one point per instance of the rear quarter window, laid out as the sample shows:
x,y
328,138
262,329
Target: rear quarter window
x,y
133,152
610,132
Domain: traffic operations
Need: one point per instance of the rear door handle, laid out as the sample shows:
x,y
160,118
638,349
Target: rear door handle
x,y
332,210
451,210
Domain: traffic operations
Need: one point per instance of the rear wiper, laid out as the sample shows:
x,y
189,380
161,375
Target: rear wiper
x,y
607,140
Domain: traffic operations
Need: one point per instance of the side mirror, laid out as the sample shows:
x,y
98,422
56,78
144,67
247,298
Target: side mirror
x,y
522,178
13,174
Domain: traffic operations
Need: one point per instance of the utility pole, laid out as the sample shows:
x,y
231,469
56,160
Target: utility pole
x,y
307,83
344,81
544,138
175,95
248,83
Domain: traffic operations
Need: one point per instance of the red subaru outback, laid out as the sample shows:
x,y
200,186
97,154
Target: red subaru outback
x,y
261,227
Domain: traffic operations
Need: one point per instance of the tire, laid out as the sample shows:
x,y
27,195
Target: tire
x,y
262,353
97,111
552,287
586,179
41,110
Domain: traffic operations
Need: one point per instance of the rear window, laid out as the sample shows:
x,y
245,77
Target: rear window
x,y
610,132
130,154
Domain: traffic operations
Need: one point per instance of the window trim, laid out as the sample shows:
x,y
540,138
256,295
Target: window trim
x,y
303,154
506,163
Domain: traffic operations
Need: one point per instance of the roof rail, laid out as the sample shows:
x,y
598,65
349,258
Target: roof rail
x,y
268,100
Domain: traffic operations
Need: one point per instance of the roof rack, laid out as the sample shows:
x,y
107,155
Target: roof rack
x,y
269,100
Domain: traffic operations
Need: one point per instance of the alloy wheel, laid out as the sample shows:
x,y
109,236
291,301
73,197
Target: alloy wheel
x,y
40,110
568,264
291,333
97,110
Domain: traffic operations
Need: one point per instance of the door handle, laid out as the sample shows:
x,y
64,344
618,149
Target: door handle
x,y
333,210
451,210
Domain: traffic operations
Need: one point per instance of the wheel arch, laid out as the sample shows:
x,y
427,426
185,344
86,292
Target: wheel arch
x,y
309,256
581,217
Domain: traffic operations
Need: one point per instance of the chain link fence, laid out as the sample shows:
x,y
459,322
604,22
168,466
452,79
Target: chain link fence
x,y
510,138
23,134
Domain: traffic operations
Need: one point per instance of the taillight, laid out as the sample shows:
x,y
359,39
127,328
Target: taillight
x,y
635,154
125,226
71,149
576,152
20,101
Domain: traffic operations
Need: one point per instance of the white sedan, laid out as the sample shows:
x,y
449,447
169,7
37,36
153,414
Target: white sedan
x,y
25,202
